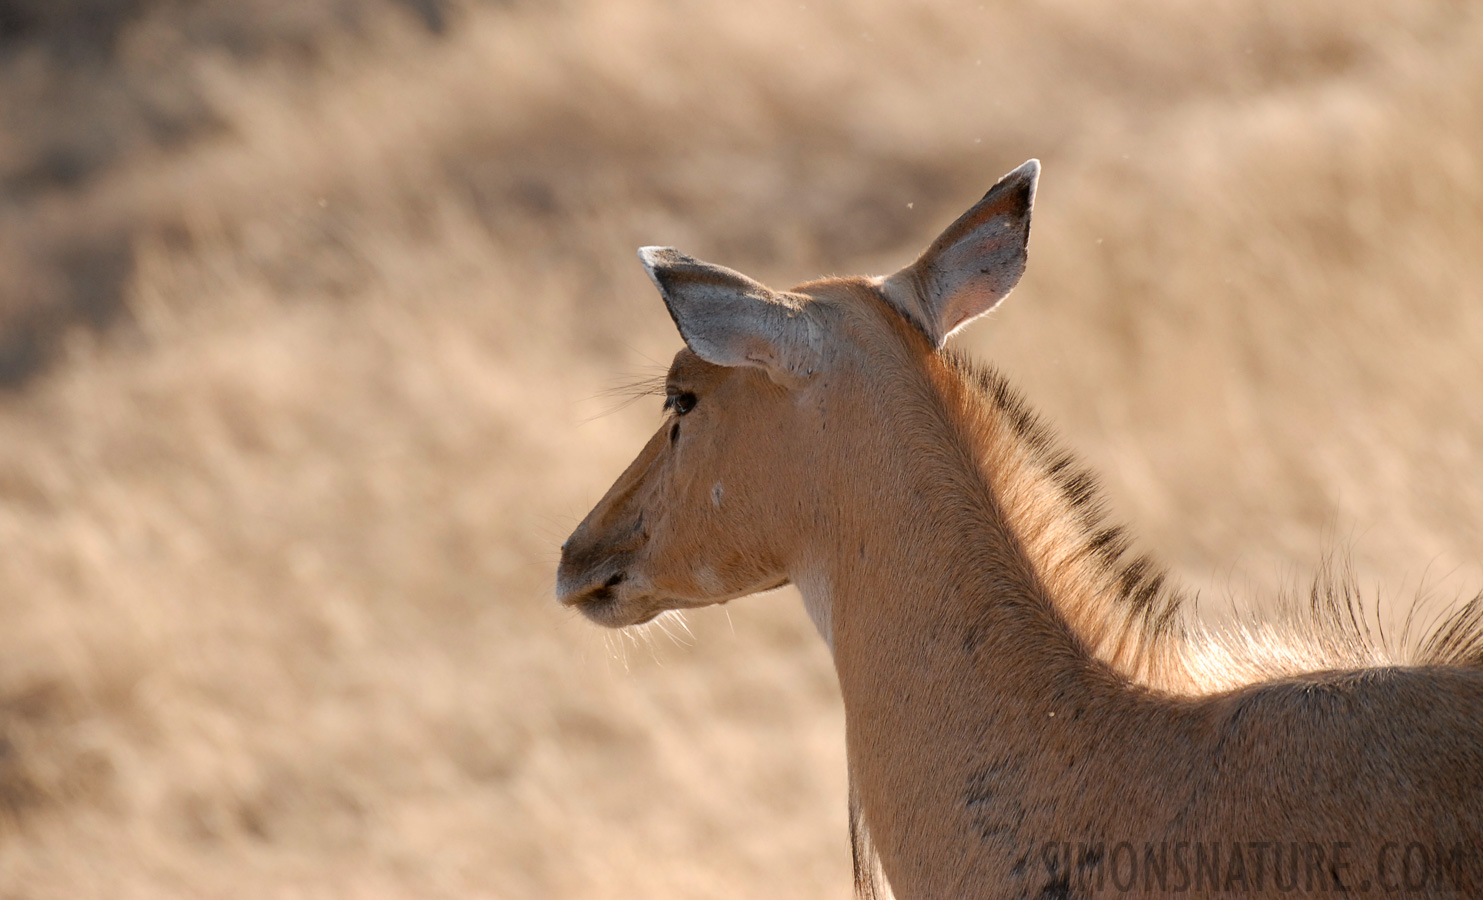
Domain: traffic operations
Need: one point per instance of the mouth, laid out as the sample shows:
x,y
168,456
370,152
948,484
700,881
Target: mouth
x,y
610,612
608,605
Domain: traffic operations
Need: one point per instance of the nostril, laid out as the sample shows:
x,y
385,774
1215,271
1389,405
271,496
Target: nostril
x,y
614,581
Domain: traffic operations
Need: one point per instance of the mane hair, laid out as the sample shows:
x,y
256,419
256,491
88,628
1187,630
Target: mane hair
x,y
1125,609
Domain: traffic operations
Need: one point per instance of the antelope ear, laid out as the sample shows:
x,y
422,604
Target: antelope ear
x,y
972,265
730,320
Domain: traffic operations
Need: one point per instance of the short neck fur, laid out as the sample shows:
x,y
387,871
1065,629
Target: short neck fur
x,y
965,688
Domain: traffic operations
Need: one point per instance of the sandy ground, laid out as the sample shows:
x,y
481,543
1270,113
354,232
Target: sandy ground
x,y
317,322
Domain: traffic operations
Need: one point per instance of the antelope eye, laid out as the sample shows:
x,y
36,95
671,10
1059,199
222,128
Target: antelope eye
x,y
681,403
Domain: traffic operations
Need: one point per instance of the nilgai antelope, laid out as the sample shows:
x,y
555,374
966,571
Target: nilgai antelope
x,y
1032,710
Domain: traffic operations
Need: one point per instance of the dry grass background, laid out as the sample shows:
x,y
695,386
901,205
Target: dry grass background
x,y
311,314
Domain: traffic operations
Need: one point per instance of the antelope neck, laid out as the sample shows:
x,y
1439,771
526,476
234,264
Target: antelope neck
x,y
961,685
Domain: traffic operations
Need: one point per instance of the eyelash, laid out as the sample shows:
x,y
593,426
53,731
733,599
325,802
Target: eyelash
x,y
681,403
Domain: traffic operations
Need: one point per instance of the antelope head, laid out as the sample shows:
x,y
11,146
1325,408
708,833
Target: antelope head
x,y
769,412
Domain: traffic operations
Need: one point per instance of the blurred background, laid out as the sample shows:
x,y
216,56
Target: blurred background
x,y
315,322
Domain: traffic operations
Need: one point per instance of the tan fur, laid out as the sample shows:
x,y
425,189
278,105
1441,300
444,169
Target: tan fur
x,y
1014,682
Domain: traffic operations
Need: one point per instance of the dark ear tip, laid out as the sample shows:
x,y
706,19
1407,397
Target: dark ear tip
x,y
1029,170
1022,180
657,260
659,257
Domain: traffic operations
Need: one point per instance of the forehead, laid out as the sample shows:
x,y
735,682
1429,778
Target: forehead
x,y
845,293
856,309
694,373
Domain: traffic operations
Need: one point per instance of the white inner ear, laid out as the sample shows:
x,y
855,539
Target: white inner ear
x,y
976,274
775,334
973,264
730,320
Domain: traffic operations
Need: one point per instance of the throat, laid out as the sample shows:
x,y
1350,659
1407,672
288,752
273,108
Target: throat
x,y
818,601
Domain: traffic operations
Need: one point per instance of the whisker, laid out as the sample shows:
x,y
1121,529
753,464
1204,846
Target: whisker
x,y
673,615
616,648
643,636
649,384
678,618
